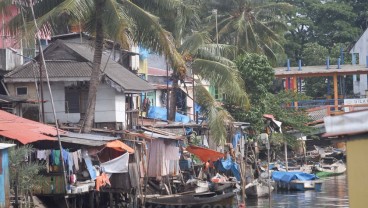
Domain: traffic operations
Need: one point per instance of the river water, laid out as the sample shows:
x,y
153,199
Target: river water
x,y
334,193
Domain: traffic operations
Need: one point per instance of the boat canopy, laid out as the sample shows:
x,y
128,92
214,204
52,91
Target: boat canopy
x,y
289,176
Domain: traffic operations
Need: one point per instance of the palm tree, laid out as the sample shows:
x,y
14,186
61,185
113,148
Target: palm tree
x,y
120,20
211,63
251,25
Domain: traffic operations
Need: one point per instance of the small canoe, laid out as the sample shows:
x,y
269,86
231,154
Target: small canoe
x,y
209,199
330,167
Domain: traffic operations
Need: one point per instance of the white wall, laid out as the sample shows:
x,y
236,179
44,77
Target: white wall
x,y
120,107
110,105
105,104
58,93
361,47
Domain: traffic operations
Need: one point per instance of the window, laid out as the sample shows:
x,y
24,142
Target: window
x,y
76,98
22,90
71,101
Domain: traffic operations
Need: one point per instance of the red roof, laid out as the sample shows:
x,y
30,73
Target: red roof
x,y
24,130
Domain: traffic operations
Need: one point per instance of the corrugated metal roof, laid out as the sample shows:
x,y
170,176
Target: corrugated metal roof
x,y
55,69
81,141
87,139
65,70
9,99
23,130
116,72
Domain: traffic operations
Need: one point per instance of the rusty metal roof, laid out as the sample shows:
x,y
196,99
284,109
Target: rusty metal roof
x,y
24,130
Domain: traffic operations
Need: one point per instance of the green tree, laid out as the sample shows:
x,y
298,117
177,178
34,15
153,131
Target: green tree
x,y
258,76
209,63
122,21
327,23
360,8
317,87
24,174
251,25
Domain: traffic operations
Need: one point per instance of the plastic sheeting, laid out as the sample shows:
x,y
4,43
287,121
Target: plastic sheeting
x,y
161,113
289,176
236,139
228,164
205,154
119,146
117,165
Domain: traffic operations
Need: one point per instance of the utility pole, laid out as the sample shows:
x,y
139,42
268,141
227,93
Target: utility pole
x,y
41,85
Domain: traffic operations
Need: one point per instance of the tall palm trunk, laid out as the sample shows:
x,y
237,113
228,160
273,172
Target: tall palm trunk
x,y
172,106
96,71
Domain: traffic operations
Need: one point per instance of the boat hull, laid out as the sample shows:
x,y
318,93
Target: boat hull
x,y
323,174
257,191
297,185
192,201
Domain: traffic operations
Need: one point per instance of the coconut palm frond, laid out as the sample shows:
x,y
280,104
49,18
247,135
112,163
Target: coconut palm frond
x,y
217,117
219,74
116,21
274,7
186,17
227,51
207,55
152,35
158,5
276,25
75,9
193,42
224,27
267,32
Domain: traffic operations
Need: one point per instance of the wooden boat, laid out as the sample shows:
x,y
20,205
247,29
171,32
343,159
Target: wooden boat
x,y
296,181
209,199
257,189
330,166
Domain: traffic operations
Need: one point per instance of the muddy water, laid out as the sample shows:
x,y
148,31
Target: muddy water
x,y
334,193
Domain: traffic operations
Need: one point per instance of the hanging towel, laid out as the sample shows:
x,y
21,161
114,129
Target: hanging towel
x,y
117,165
70,162
65,156
79,152
41,154
75,160
56,154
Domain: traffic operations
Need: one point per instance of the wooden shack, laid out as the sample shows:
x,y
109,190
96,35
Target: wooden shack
x,y
4,175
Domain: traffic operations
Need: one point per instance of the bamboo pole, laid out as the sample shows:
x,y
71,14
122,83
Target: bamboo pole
x,y
51,98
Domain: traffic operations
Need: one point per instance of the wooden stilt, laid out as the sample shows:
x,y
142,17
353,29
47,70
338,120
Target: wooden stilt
x,y
111,199
336,93
91,199
295,88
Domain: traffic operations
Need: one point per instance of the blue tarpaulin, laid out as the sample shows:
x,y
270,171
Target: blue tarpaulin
x,y
236,139
161,113
224,165
289,176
